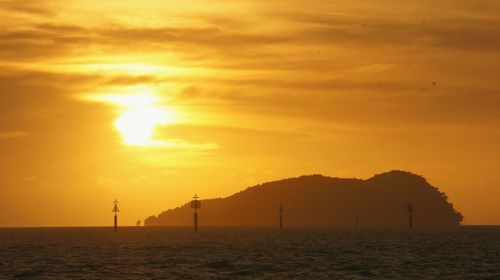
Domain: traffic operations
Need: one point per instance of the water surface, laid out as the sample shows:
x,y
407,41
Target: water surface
x,y
215,253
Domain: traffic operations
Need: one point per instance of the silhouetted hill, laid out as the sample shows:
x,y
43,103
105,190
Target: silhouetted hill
x,y
317,200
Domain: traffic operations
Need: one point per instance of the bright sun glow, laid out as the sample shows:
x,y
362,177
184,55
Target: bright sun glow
x,y
137,125
140,117
140,114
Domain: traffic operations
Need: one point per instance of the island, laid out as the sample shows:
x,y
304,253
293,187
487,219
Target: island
x,y
316,200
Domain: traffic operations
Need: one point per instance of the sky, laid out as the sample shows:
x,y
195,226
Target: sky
x,y
150,102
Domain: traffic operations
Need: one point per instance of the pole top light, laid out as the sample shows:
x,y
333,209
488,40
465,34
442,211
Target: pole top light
x,y
115,208
195,204
410,207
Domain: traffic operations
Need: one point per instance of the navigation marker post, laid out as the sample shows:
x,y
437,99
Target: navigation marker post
x,y
195,204
281,215
409,208
356,216
116,210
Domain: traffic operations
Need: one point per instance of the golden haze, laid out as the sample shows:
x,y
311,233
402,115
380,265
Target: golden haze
x,y
152,101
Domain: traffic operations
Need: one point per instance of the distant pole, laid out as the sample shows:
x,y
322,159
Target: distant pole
x,y
116,210
281,215
410,215
195,204
357,220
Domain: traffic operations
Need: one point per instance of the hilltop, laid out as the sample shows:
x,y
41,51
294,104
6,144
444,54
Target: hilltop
x,y
317,200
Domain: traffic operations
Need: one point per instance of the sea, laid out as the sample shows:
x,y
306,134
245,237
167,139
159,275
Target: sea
x,y
468,252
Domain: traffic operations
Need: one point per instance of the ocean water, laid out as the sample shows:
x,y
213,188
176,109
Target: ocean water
x,y
249,253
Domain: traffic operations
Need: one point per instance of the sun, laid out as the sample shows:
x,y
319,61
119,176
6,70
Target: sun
x,y
137,125
139,117
140,111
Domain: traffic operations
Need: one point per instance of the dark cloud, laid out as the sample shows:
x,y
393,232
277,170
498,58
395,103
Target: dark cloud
x,y
454,33
210,37
461,33
362,104
43,41
227,38
44,8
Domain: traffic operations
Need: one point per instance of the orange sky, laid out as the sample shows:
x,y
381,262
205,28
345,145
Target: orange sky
x,y
151,101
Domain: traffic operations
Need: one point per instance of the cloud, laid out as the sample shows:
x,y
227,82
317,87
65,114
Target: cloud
x,y
45,8
183,144
13,134
247,41
323,29
285,61
42,41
